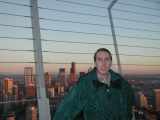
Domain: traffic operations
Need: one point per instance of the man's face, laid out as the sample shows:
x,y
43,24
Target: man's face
x,y
103,62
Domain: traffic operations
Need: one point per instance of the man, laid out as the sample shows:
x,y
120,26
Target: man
x,y
101,94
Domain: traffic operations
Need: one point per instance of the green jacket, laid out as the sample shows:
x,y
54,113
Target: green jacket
x,y
90,99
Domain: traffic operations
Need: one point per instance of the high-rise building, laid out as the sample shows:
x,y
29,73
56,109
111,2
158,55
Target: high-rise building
x,y
48,78
31,91
31,113
21,91
29,82
157,99
51,92
62,77
60,84
1,90
1,95
48,81
73,77
28,76
15,91
8,86
143,100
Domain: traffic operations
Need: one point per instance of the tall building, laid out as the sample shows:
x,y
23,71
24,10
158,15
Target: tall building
x,y
8,86
1,90
62,77
1,95
73,77
31,113
157,99
28,76
51,92
30,90
48,81
48,78
15,91
21,91
143,100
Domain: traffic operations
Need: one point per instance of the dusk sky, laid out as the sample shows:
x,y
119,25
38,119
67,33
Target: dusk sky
x,y
77,29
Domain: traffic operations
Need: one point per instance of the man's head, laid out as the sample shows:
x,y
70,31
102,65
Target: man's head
x,y
103,60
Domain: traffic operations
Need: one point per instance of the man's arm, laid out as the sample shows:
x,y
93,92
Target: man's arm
x,y
72,104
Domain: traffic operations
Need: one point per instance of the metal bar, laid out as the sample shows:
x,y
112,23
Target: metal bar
x,y
43,102
114,35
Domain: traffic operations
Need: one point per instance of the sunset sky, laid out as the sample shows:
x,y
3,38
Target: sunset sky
x,y
73,30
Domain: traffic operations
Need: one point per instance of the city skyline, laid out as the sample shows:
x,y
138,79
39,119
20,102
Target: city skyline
x,y
147,94
72,31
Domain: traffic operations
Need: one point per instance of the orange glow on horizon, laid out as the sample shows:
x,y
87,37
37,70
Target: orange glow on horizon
x,y
126,69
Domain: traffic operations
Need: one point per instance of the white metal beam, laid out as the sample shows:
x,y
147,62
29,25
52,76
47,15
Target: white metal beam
x,y
43,102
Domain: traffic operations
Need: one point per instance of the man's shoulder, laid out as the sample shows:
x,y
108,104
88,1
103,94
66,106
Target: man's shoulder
x,y
120,77
88,76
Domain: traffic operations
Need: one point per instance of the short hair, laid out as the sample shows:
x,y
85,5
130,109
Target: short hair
x,y
103,50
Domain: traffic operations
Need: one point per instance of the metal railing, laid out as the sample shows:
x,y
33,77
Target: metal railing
x,y
69,28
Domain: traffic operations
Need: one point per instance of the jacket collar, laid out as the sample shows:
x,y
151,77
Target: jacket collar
x,y
115,79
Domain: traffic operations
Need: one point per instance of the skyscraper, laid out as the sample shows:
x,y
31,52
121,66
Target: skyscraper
x,y
15,91
8,86
1,90
48,78
62,77
28,76
73,77
157,99
142,100
31,113
29,82
61,82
